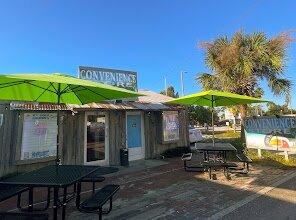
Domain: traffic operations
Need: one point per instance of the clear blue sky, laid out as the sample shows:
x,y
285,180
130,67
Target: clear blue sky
x,y
153,37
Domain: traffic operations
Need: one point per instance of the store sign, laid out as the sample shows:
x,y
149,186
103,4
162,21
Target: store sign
x,y
120,78
271,133
170,126
39,138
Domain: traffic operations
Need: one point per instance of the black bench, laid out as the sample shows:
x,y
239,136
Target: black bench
x,y
95,203
245,160
23,216
187,157
8,191
93,179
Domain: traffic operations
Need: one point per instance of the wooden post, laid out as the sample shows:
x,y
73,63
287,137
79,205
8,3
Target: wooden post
x,y
286,155
259,153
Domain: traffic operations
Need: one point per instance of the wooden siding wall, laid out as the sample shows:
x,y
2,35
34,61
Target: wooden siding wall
x,y
10,140
117,135
153,134
71,138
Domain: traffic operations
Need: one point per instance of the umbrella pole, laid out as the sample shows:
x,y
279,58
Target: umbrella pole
x,y
58,160
213,129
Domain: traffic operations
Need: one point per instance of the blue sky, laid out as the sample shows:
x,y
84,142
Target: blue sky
x,y
156,38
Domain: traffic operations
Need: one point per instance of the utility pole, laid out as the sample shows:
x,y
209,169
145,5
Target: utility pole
x,y
182,82
165,86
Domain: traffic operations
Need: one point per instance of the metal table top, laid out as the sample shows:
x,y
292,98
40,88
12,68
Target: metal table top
x,y
217,147
52,176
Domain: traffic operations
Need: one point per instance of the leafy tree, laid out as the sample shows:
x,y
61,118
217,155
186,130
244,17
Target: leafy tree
x,y
274,109
170,92
239,63
201,115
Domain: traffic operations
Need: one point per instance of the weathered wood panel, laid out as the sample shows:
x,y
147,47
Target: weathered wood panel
x,y
153,134
72,137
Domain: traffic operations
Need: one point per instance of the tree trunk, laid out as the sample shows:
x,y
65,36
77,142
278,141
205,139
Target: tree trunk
x,y
243,112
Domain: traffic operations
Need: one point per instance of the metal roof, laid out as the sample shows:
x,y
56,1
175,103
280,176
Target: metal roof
x,y
38,106
150,102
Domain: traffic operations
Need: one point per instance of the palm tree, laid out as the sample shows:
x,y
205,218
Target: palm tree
x,y
238,64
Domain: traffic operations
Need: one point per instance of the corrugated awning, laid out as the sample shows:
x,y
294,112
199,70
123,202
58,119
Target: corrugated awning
x,y
106,106
127,106
38,106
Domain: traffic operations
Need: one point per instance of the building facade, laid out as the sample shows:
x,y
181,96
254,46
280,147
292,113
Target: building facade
x,y
91,134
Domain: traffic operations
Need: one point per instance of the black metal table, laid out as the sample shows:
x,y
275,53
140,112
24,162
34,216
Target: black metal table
x,y
223,148
218,147
56,177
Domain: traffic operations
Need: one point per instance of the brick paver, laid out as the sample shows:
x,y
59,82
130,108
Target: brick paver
x,y
168,192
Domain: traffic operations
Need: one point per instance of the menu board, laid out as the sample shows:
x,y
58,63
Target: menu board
x,y
39,138
170,126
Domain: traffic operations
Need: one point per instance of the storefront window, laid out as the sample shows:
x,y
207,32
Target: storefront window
x,y
170,126
39,137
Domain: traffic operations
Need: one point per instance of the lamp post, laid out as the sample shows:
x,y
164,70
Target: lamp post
x,y
182,82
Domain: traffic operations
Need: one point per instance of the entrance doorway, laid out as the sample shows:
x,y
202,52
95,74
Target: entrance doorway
x,y
135,135
96,151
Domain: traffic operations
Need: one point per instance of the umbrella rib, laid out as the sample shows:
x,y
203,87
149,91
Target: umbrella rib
x,y
4,85
199,99
78,98
95,92
236,103
50,84
40,87
66,89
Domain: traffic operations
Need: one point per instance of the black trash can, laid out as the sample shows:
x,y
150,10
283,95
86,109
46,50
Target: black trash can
x,y
124,157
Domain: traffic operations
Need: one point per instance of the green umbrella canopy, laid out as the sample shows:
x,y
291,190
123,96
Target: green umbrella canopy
x,y
57,88
214,98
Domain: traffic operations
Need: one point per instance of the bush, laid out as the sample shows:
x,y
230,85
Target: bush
x,y
176,152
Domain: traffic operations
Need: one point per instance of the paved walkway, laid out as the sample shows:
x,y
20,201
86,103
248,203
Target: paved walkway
x,y
168,192
163,190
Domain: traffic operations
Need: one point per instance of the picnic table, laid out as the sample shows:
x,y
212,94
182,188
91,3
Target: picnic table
x,y
224,148
217,162
56,177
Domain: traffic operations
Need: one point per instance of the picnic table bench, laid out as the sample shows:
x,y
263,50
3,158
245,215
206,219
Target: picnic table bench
x,y
95,203
8,191
197,168
23,216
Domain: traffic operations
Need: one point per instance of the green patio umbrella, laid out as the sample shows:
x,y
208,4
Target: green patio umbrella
x,y
214,98
57,88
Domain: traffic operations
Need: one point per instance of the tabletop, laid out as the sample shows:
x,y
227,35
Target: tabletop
x,y
52,175
216,147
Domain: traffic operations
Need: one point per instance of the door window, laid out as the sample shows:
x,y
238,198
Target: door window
x,y
96,135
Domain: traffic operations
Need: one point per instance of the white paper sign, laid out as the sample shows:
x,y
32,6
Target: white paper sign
x,y
39,138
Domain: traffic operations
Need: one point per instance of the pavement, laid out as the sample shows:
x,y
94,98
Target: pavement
x,y
161,189
278,203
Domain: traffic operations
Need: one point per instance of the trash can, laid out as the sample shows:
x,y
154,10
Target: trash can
x,y
124,157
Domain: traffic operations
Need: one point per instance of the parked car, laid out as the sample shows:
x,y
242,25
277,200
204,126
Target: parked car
x,y
194,135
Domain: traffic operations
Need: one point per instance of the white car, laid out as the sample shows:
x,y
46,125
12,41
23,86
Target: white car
x,y
195,135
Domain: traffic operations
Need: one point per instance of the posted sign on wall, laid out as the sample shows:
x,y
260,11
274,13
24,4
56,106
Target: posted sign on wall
x,y
39,138
170,126
271,133
120,78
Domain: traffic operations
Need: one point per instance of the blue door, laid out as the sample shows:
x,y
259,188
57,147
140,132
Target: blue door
x,y
134,138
